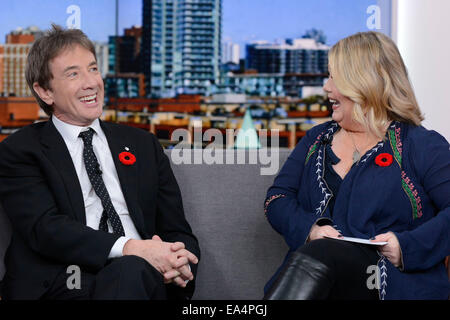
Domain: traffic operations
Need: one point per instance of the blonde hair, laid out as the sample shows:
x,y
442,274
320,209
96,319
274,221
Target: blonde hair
x,y
368,69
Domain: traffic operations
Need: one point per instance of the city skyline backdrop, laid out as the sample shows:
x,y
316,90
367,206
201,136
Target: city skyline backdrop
x,y
243,21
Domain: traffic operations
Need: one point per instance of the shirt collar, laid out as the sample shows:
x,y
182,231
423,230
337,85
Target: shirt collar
x,y
71,132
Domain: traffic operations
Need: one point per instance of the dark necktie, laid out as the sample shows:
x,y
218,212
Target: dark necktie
x,y
95,176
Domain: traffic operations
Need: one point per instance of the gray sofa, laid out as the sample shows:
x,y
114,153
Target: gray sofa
x,y
224,205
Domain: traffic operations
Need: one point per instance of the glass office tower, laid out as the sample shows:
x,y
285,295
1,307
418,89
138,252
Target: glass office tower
x,y
293,56
184,46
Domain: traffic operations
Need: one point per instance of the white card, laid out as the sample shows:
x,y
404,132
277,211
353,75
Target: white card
x,y
359,240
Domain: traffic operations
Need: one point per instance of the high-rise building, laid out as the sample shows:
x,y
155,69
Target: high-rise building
x,y
124,85
125,78
230,52
2,51
184,46
136,33
102,53
270,84
20,35
124,52
146,44
293,56
13,61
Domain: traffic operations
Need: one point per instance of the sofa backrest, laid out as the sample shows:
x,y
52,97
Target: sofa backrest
x,y
224,205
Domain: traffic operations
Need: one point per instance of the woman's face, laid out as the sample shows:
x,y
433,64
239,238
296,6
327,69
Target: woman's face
x,y
342,106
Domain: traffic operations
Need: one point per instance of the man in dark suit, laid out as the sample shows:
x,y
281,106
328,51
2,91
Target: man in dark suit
x,y
88,198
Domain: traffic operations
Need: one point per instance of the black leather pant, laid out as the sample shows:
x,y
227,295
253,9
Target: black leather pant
x,y
326,269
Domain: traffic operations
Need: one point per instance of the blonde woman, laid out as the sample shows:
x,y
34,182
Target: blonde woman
x,y
373,172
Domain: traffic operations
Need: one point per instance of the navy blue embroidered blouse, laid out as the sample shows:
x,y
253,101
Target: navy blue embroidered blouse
x,y
331,177
410,197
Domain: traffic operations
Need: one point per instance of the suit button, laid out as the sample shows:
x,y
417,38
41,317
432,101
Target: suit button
x,y
46,284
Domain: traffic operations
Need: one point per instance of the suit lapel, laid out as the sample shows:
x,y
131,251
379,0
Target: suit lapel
x,y
56,151
128,174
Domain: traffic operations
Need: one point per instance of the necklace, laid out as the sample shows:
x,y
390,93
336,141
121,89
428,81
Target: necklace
x,y
356,153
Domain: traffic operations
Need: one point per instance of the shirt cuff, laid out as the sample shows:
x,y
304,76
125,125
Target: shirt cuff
x,y
117,248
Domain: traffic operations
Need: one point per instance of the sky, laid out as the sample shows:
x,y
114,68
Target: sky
x,y
242,20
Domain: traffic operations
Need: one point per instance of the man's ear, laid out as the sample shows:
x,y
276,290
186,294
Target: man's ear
x,y
46,95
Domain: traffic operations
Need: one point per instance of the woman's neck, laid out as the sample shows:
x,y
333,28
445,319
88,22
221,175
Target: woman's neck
x,y
361,133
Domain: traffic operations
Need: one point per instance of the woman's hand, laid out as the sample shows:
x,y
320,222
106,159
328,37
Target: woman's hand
x,y
391,250
319,232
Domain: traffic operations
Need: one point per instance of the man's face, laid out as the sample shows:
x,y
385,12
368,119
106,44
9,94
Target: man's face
x,y
76,90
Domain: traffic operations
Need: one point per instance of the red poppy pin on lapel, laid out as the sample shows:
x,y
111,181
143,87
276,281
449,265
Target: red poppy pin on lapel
x,y
126,157
383,160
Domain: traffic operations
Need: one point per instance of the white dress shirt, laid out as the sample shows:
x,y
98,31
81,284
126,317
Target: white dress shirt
x,y
92,202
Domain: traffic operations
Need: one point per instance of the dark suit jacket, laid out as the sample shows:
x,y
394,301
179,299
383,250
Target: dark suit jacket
x,y
41,194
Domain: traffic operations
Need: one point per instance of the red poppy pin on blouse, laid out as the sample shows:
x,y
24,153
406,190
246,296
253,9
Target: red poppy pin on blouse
x,y
383,160
126,157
